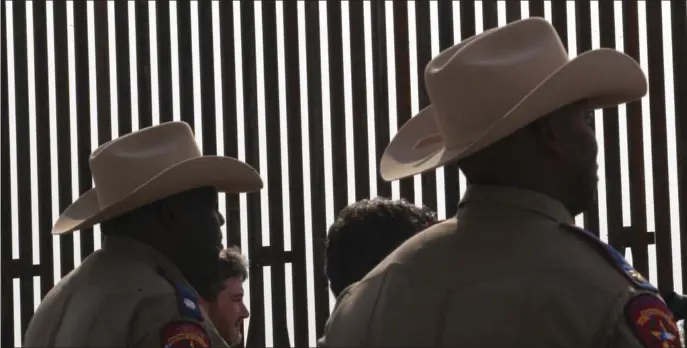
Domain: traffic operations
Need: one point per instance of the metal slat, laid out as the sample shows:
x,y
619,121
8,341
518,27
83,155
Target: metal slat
x,y
186,100
102,68
123,67
490,17
83,114
611,140
164,60
559,19
635,135
274,174
317,173
256,333
659,147
401,53
513,11
536,8
356,26
678,19
295,170
423,29
6,286
380,72
207,78
25,213
337,106
43,150
145,103
229,114
64,131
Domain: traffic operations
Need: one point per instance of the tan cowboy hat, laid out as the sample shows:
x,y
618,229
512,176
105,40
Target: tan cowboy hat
x,y
492,84
147,165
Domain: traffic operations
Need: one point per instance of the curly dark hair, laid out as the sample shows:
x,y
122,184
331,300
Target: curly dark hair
x,y
365,232
231,264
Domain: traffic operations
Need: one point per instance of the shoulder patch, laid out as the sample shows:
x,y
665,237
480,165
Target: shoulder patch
x,y
187,299
652,322
183,334
616,259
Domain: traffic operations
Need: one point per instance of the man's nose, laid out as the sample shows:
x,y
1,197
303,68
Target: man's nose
x,y
246,312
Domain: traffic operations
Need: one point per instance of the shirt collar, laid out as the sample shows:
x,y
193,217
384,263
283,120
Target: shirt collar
x,y
518,198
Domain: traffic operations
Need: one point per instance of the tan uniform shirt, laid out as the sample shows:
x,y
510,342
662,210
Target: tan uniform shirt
x,y
506,272
124,295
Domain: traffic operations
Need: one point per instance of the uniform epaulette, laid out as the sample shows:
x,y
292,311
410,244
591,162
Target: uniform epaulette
x,y
188,301
614,257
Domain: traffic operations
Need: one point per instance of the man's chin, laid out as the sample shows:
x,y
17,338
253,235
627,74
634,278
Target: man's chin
x,y
236,339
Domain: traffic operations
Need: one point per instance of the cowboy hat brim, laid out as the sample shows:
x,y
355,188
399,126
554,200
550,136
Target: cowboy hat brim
x,y
604,77
226,174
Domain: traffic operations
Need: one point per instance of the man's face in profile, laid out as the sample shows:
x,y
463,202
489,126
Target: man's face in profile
x,y
571,135
582,154
199,238
228,311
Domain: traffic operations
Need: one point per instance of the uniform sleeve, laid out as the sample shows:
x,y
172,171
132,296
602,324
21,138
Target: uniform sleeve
x,y
177,334
158,323
645,322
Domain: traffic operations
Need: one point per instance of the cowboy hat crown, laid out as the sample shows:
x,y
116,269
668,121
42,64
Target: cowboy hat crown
x,y
494,83
150,164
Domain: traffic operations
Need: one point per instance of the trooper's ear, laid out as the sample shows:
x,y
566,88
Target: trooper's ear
x,y
179,213
547,134
556,131
171,217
